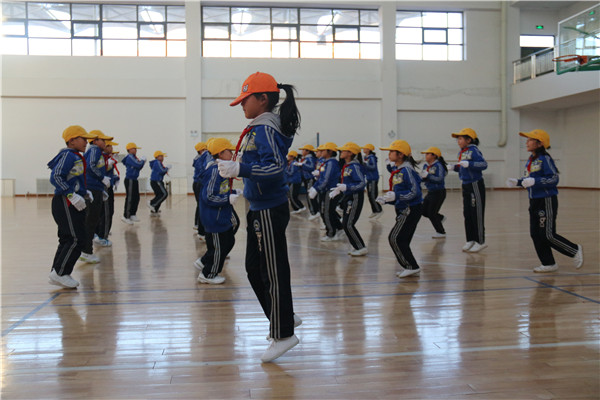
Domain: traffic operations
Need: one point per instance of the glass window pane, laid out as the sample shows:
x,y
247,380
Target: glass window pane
x,y
85,30
176,14
345,17
176,48
216,31
215,14
119,48
346,50
176,31
153,48
151,13
17,46
409,35
372,35
435,52
455,36
250,15
51,11
250,32
112,12
409,52
371,51
156,31
86,12
50,47
50,29
316,50
13,10
284,49
285,32
86,47
435,19
434,35
369,17
111,30
251,49
455,20
347,34
285,15
315,16
455,53
408,18
13,28
319,33
216,48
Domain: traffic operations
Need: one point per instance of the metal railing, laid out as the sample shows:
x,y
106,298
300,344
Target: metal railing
x,y
536,64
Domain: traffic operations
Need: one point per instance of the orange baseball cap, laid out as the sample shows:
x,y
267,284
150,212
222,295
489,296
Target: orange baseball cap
x,y
256,83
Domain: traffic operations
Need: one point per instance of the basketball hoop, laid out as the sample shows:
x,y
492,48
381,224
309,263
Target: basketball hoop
x,y
581,60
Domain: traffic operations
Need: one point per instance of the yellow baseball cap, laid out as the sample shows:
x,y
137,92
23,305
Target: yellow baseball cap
x,y
328,146
465,132
308,147
258,82
538,134
75,131
200,146
131,145
368,146
399,145
111,143
293,153
351,147
217,145
433,150
100,135
159,153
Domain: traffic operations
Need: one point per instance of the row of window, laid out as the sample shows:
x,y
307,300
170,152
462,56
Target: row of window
x,y
262,32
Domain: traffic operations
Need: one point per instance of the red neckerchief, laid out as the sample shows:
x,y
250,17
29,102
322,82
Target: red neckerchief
x,y
343,168
530,161
392,178
461,152
115,166
428,166
247,130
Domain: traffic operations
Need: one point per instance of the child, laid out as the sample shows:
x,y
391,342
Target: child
x,y
133,166
469,167
405,194
108,205
317,199
200,161
329,177
307,165
68,205
265,143
217,215
293,177
434,174
352,187
370,162
540,179
156,182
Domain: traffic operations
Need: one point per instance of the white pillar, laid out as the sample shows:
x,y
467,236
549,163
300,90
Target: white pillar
x,y
512,165
389,79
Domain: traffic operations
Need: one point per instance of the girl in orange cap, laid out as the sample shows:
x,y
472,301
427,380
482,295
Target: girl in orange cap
x,y
370,163
434,175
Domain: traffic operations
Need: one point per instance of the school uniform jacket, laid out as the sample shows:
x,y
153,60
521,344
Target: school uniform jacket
x,y
67,176
293,173
477,164
158,170
371,168
437,176
329,175
406,184
543,170
353,177
133,165
215,210
199,164
308,166
95,170
111,169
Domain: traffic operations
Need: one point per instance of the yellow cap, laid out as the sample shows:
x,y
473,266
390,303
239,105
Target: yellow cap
x,y
433,150
308,147
131,145
217,145
75,131
100,135
328,146
466,132
538,134
293,153
399,145
368,146
158,153
351,147
111,143
200,146
115,152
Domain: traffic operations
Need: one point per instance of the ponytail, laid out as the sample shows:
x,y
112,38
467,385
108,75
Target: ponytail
x,y
290,116
359,158
443,162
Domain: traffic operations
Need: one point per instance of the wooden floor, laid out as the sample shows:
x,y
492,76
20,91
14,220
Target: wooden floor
x,y
478,326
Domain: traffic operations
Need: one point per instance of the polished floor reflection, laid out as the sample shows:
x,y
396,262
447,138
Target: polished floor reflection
x,y
476,326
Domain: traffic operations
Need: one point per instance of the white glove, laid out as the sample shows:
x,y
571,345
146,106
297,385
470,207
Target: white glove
x,y
312,193
298,163
334,192
511,182
316,173
528,182
77,201
111,162
143,158
106,181
228,169
169,166
424,173
89,196
389,196
342,187
464,164
380,200
104,196
233,197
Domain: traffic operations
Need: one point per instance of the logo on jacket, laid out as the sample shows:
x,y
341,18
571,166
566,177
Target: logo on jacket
x,y
224,188
76,170
250,144
536,166
347,172
466,155
398,178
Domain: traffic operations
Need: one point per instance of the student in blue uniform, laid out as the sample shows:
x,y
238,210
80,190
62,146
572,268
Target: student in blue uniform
x,y
200,161
370,163
68,205
405,195
540,179
264,144
316,173
108,206
293,177
159,170
434,174
308,164
133,166
469,167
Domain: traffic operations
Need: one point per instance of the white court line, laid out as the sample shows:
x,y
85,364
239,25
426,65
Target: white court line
x,y
290,359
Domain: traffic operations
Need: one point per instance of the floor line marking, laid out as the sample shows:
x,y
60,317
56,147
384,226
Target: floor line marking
x,y
29,314
562,290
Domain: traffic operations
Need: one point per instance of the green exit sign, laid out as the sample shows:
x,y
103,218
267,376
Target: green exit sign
x,y
539,27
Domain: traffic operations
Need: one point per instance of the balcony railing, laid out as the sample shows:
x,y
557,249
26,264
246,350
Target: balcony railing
x,y
536,64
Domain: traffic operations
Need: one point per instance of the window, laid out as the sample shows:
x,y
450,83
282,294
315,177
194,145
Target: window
x,y
533,43
93,29
425,35
290,33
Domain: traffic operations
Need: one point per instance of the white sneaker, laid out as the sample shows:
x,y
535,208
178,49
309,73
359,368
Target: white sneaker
x,y
64,281
467,246
128,221
154,213
89,258
327,239
438,235
546,268
315,216
279,347
104,243
217,280
134,218
150,206
359,252
477,247
97,239
322,227
578,259
408,272
198,264
201,237
339,235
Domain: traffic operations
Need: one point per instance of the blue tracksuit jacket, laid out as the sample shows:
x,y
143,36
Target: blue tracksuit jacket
x,y
67,174
436,180
543,170
133,165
